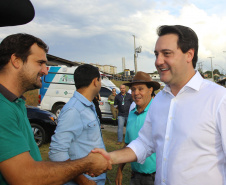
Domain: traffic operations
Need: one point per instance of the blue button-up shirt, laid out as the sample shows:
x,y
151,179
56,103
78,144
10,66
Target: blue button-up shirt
x,y
77,133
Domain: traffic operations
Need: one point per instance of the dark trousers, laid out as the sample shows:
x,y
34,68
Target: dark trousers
x,y
142,179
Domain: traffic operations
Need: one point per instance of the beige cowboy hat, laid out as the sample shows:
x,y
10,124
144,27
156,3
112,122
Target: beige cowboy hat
x,y
142,77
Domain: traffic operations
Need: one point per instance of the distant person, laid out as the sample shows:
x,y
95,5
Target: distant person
x,y
114,110
122,103
78,129
96,100
143,89
22,64
186,122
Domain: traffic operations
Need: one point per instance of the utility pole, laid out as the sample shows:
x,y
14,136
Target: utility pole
x,y
200,67
136,50
135,56
211,66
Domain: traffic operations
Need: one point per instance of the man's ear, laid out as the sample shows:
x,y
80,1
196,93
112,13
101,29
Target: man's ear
x,y
151,90
95,81
15,61
190,55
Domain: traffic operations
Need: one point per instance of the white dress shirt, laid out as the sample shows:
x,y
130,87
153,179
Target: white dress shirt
x,y
188,134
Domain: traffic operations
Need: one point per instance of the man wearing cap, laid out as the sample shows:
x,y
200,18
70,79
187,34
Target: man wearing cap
x,y
142,88
122,102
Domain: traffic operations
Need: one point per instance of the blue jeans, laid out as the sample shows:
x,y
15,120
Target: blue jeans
x,y
121,122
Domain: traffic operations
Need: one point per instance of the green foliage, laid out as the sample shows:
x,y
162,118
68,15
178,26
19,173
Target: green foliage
x,y
209,74
216,71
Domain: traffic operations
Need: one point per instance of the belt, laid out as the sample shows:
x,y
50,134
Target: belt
x,y
143,174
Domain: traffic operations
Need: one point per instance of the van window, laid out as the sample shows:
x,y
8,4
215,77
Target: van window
x,y
59,78
104,92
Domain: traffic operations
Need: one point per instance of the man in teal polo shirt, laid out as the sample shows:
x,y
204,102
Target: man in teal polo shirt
x,y
142,88
22,64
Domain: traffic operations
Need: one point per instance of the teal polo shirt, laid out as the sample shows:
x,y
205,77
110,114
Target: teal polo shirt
x,y
16,135
134,124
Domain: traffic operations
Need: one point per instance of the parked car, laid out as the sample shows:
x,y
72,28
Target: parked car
x,y
43,124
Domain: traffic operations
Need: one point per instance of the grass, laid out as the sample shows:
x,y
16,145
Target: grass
x,y
110,139
118,83
31,97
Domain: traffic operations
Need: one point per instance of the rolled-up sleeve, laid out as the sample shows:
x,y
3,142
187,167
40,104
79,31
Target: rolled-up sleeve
x,y
68,127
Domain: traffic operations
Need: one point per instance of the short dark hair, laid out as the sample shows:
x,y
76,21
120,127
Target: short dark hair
x,y
187,38
84,75
153,92
18,44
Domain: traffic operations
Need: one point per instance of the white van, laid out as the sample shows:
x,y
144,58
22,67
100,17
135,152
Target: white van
x,y
58,87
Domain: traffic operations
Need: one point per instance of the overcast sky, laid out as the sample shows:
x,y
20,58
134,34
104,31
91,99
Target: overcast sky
x,y
100,31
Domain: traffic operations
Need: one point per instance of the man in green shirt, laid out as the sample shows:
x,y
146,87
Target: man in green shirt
x,y
22,64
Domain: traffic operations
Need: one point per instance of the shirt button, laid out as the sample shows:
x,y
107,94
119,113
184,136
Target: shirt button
x,y
163,180
164,159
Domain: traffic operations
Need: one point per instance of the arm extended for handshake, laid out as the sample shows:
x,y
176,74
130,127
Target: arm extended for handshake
x,y
123,155
23,170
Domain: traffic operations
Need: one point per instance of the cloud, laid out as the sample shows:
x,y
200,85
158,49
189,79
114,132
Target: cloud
x,y
100,31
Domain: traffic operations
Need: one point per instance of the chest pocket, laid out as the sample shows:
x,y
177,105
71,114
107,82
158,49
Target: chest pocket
x,y
93,131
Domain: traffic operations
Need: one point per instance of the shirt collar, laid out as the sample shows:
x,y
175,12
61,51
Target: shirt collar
x,y
82,99
8,94
146,108
194,83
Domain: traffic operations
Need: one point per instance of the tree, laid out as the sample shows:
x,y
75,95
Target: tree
x,y
216,71
209,73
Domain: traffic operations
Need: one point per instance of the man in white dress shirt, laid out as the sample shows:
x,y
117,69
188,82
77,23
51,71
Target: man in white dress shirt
x,y
186,122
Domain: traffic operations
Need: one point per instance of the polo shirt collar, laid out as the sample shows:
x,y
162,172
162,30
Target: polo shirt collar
x,y
8,94
82,99
194,83
146,108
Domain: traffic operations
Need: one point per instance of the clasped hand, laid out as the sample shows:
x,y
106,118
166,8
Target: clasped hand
x,y
100,162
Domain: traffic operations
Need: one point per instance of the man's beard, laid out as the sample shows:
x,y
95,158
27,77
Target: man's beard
x,y
28,84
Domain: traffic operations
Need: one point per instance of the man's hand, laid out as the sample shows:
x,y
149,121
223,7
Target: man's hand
x,y
98,164
102,152
118,178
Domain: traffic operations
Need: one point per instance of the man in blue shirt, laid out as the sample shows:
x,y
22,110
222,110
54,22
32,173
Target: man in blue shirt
x,y
78,130
142,88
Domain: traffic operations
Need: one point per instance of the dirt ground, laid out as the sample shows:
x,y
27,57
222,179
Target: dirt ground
x,y
112,128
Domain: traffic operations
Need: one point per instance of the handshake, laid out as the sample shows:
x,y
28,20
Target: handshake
x,y
99,161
